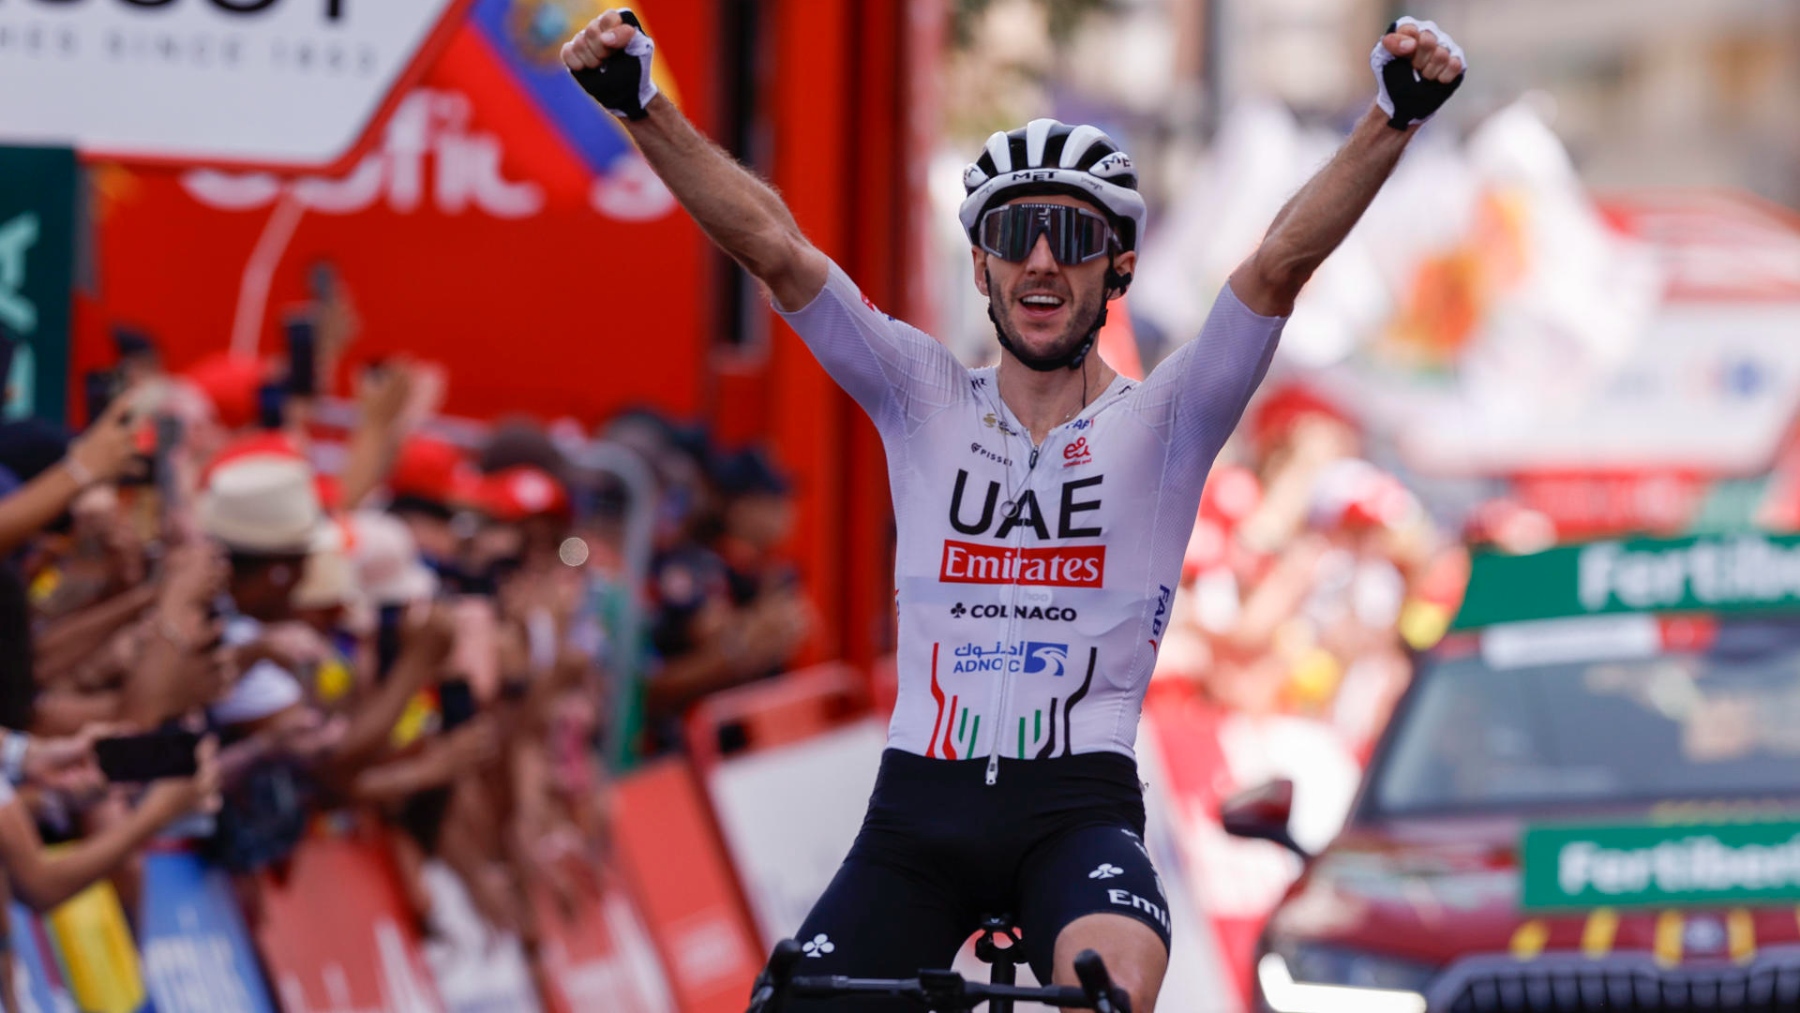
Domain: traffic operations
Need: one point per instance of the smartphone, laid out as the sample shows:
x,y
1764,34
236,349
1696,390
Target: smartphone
x,y
131,343
102,386
149,757
169,433
456,703
303,361
271,405
387,638
322,281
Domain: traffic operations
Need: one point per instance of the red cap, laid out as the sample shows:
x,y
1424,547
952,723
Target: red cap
x,y
1231,495
524,490
1352,493
434,470
275,444
1282,408
330,490
231,383
272,444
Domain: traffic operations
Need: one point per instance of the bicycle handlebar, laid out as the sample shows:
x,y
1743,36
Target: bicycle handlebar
x,y
920,990
946,991
1097,984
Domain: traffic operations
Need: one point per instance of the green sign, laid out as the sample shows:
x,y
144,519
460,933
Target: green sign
x,y
37,267
1659,866
1727,573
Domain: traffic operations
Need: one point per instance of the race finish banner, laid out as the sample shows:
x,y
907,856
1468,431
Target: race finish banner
x,y
290,83
1737,573
1660,866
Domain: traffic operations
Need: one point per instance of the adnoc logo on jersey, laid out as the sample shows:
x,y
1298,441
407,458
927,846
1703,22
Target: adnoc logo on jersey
x,y
1029,658
1061,566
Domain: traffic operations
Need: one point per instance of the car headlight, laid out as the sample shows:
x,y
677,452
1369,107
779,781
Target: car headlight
x,y
1321,979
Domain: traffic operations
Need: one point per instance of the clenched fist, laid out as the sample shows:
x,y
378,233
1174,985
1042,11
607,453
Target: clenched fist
x,y
610,59
1417,68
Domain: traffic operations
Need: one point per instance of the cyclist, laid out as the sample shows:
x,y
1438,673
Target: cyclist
x,y
1042,507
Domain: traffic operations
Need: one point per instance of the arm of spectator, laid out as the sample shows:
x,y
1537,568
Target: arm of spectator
x,y
427,644
64,711
102,453
1316,442
1278,596
467,826
381,398
43,880
156,690
761,636
533,822
442,762
64,641
67,763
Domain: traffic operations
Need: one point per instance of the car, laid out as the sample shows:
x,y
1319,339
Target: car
x,y
1588,798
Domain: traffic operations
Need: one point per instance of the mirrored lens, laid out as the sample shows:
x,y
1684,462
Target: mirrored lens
x,y
1076,236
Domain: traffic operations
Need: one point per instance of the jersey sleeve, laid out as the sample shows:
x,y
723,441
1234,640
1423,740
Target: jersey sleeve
x,y
1195,397
899,374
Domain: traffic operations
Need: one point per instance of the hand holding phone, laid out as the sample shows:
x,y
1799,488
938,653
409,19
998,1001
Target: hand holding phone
x,y
303,358
107,448
154,756
456,703
271,406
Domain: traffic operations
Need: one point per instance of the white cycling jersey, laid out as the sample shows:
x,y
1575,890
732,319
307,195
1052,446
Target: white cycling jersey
x,y
1033,582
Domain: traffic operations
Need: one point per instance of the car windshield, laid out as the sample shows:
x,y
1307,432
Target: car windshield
x,y
1488,733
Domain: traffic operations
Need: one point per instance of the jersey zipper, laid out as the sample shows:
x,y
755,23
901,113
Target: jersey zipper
x,y
1012,628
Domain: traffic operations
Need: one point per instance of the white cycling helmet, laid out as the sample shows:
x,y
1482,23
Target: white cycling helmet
x,y
1049,156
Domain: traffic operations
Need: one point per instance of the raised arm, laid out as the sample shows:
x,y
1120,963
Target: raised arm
x,y
740,213
1318,217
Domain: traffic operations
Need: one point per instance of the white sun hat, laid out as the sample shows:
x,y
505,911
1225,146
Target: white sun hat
x,y
264,690
265,504
386,560
327,580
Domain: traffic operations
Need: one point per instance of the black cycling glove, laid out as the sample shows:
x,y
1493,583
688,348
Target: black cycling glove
x,y
1401,93
622,84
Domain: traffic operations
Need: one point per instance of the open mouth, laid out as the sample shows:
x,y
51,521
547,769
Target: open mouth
x,y
1040,305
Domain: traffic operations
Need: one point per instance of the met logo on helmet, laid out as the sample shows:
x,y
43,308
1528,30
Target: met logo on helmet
x,y
1116,162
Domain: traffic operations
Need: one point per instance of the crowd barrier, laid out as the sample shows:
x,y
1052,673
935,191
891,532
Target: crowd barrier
x,y
330,931
711,861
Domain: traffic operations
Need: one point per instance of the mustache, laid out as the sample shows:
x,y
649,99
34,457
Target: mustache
x,y
1039,288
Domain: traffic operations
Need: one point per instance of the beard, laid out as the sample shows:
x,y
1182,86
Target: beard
x,y
1083,320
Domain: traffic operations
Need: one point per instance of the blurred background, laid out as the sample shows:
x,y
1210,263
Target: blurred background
x,y
276,267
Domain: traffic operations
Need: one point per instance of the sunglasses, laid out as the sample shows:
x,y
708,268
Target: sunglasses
x,y
1076,235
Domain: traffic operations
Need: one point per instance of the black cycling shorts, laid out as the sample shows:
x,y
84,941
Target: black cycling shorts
x,y
1051,841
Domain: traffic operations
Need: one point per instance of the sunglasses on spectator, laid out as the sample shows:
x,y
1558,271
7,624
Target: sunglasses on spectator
x,y
1076,235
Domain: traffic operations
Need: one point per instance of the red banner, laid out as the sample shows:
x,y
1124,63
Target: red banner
x,y
685,888
502,224
336,935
